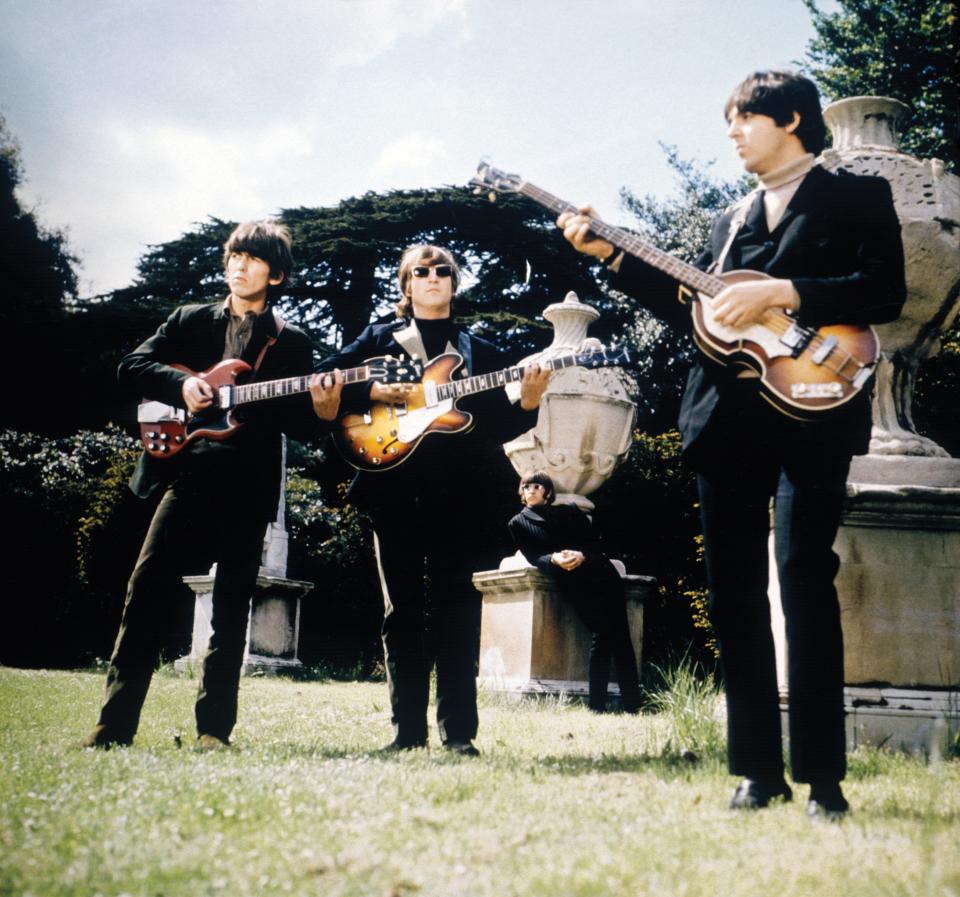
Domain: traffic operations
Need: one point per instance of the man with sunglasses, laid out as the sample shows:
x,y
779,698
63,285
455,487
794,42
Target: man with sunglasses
x,y
426,516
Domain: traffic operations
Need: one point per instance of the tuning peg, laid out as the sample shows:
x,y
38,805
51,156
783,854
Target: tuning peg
x,y
477,191
492,196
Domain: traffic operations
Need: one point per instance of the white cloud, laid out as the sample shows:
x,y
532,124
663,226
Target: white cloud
x,y
413,159
364,29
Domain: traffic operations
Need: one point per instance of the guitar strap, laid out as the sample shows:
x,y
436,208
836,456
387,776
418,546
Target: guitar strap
x,y
740,210
280,323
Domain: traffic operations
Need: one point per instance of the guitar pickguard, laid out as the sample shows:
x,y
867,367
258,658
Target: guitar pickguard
x,y
760,337
412,423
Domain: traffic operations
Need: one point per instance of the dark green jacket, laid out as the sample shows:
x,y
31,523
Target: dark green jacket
x,y
194,336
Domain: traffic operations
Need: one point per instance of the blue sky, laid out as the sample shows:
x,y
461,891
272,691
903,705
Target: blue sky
x,y
137,119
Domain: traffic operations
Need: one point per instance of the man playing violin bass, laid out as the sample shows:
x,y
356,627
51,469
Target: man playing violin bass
x,y
427,510
218,496
831,246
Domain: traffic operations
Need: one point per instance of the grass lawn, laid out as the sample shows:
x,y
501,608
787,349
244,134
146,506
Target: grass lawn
x,y
561,803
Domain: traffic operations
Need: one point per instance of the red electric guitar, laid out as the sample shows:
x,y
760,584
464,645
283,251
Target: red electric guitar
x,y
165,429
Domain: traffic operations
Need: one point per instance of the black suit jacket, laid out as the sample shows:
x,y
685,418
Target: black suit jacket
x,y
539,532
839,243
441,458
194,336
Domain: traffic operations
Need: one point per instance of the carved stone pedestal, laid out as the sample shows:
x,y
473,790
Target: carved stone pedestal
x,y
272,631
532,641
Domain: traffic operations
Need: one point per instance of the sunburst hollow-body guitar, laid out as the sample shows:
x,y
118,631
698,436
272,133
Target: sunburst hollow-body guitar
x,y
385,434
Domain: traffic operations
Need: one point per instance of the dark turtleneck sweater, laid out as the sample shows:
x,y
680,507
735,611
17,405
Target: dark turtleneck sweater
x,y
436,333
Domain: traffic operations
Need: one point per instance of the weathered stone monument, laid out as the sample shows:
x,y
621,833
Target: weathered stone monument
x,y
899,542
273,629
531,640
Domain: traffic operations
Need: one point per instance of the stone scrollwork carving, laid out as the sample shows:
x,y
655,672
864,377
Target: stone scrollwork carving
x,y
927,200
585,425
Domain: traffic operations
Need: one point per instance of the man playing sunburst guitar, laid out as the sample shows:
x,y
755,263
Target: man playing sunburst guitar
x,y
830,244
425,510
218,494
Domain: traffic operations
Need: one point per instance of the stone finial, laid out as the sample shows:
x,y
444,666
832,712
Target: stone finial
x,y
865,122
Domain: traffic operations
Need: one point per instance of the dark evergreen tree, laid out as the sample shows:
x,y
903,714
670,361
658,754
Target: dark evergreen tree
x,y
906,49
40,283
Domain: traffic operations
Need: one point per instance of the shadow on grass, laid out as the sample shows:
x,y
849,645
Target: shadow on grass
x,y
667,766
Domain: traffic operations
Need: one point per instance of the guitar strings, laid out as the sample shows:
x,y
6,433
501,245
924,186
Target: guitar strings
x,y
778,322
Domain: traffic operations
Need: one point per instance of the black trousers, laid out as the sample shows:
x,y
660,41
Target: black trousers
x,y
595,591
426,557
764,456
201,518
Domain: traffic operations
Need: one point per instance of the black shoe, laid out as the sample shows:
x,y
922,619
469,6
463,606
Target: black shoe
x,y
404,744
101,738
463,748
827,802
754,794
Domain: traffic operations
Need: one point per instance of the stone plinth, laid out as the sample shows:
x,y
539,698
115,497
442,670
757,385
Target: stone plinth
x,y
899,592
532,641
899,579
273,629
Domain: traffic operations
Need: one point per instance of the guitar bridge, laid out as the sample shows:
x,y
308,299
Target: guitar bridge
x,y
796,338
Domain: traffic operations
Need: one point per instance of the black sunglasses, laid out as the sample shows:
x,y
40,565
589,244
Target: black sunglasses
x,y
424,270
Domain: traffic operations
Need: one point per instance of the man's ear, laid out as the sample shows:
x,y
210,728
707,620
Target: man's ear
x,y
791,126
276,280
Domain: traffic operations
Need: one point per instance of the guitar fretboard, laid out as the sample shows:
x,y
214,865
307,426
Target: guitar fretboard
x,y
454,389
272,389
679,270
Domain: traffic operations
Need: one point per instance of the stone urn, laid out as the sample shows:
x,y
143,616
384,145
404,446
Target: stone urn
x,y
927,200
585,425
531,640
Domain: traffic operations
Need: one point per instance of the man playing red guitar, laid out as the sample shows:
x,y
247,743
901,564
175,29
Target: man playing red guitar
x,y
831,245
218,496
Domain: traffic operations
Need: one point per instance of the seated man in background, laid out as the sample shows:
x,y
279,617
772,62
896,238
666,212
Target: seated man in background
x,y
560,541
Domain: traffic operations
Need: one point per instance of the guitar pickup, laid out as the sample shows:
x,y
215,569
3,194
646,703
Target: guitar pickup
x,y
826,347
796,338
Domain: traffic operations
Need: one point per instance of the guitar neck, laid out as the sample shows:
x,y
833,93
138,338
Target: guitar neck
x,y
289,386
455,389
688,275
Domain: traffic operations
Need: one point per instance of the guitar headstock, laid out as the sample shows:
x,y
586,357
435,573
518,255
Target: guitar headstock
x,y
395,370
604,357
494,179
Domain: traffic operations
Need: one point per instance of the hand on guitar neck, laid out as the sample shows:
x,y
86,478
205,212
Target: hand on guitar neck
x,y
739,318
325,392
738,305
